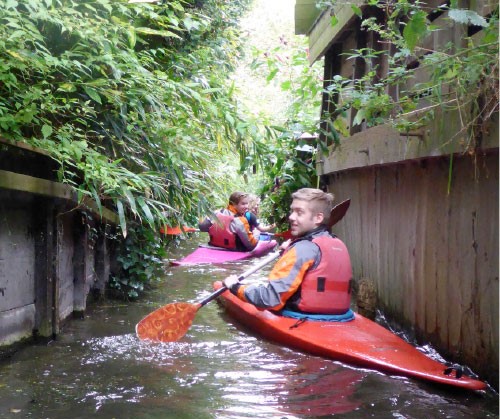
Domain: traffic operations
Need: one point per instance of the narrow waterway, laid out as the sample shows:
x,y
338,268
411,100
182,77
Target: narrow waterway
x,y
98,368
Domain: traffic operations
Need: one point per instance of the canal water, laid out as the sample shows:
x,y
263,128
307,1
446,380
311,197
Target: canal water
x,y
98,368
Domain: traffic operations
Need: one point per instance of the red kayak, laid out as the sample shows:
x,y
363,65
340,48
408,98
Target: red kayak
x,y
212,254
360,342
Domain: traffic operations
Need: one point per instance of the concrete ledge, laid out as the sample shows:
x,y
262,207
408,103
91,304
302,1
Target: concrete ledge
x,y
30,184
323,34
384,145
24,183
16,324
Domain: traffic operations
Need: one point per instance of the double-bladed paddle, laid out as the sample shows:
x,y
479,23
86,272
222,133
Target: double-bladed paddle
x,y
171,322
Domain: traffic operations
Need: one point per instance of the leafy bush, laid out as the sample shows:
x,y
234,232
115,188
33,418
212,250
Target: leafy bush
x,y
140,257
131,99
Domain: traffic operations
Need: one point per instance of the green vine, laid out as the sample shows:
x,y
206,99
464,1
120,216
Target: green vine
x,y
462,78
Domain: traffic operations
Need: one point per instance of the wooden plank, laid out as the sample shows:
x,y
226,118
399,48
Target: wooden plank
x,y
306,14
24,146
433,255
384,145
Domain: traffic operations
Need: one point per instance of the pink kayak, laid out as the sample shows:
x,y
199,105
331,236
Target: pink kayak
x,y
212,254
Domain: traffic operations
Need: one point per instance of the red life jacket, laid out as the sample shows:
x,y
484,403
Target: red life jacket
x,y
220,233
327,288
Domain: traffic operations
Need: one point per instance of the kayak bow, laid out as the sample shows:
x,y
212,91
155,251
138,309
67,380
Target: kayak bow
x,y
212,254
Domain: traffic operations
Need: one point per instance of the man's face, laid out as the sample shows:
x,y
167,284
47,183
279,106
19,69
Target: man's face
x,y
302,219
242,206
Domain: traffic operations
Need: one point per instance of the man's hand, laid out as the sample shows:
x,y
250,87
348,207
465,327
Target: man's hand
x,y
285,244
230,281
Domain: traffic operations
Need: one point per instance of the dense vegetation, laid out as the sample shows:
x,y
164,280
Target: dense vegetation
x,y
132,99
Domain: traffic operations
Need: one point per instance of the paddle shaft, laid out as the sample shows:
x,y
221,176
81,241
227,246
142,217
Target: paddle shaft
x,y
244,275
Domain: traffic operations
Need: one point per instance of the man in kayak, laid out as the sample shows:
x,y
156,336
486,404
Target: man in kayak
x,y
232,229
314,273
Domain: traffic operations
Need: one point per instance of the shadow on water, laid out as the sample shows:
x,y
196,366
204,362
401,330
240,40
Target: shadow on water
x,y
98,368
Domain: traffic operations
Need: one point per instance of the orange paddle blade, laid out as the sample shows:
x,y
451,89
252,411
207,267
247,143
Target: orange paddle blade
x,y
175,231
168,323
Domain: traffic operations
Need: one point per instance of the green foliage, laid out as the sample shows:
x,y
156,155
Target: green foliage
x,y
460,77
415,29
291,167
140,256
467,17
287,161
130,98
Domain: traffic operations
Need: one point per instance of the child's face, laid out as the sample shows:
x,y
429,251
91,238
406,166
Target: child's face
x,y
242,206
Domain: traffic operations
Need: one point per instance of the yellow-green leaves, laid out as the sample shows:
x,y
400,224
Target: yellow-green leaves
x,y
46,130
415,29
133,99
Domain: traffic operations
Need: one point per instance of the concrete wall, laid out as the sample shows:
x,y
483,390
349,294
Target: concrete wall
x,y
17,266
53,253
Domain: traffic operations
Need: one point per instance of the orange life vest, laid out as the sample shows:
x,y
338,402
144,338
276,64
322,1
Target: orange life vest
x,y
326,289
221,234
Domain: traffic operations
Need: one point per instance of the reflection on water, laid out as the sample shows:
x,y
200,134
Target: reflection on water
x,y
98,368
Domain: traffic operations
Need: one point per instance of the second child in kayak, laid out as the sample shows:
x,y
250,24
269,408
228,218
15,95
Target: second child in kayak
x,y
313,275
253,213
232,229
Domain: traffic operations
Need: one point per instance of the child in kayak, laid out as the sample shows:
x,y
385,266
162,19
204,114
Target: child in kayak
x,y
314,273
253,213
232,229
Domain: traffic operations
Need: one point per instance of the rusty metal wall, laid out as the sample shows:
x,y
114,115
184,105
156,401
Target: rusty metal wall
x,y
432,254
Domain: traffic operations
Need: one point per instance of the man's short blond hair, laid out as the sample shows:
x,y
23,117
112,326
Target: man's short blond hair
x,y
319,201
